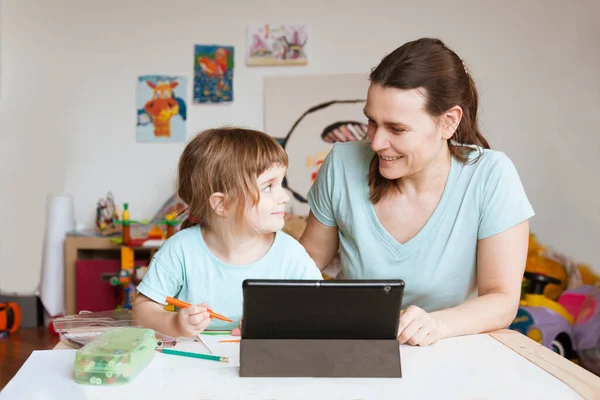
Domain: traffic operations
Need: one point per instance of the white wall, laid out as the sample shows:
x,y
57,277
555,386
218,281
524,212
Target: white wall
x,y
69,68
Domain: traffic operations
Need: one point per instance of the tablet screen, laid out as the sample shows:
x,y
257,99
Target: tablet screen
x,y
310,309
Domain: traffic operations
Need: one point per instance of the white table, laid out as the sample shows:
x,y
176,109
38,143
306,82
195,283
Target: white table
x,y
501,365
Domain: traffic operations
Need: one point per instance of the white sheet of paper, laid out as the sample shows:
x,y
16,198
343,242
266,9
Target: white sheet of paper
x,y
229,350
476,367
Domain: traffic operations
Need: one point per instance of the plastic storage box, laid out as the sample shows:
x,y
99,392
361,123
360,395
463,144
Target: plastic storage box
x,y
115,356
77,330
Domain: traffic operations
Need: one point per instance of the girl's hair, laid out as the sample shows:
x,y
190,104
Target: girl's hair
x,y
226,160
427,64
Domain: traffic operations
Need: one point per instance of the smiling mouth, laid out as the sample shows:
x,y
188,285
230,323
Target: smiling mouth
x,y
385,158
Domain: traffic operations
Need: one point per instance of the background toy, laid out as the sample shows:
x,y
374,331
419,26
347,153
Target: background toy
x,y
586,331
543,319
126,223
569,326
10,317
106,215
541,261
550,262
128,277
171,222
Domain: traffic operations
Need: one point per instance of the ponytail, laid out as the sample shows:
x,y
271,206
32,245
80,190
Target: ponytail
x,y
468,132
187,224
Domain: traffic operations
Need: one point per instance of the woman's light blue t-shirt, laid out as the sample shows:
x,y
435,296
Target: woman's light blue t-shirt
x,y
186,269
438,264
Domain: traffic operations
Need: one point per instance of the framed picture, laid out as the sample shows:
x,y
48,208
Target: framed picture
x,y
161,108
276,44
213,74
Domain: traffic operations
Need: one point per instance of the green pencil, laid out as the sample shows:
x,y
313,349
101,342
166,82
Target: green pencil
x,y
194,355
216,333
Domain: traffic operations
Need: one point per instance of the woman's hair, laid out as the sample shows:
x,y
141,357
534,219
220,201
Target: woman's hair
x,y
226,160
428,65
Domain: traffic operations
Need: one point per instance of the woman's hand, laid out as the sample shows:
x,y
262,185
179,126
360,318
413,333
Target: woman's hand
x,y
193,320
418,328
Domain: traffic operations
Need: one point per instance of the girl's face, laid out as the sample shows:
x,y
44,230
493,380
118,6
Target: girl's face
x,y
267,215
404,136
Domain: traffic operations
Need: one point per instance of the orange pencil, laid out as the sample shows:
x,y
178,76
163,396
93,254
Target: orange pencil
x,y
182,304
230,341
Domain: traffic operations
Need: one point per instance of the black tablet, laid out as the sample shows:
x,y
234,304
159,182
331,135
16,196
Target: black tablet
x,y
311,309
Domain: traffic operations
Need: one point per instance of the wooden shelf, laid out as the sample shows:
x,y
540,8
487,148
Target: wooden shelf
x,y
90,247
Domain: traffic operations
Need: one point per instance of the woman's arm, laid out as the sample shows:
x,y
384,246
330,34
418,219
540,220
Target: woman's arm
x,y
320,241
188,322
500,265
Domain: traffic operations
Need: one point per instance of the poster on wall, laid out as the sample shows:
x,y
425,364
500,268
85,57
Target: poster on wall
x,y
161,108
308,114
276,44
213,74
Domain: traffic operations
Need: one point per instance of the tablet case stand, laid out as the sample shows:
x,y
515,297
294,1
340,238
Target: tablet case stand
x,y
320,358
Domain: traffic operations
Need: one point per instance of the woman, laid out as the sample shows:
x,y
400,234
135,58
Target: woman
x,y
425,200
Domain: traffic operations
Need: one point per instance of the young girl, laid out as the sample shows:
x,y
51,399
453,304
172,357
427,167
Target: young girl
x,y
231,180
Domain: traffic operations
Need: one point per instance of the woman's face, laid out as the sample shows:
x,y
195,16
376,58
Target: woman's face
x,y
404,136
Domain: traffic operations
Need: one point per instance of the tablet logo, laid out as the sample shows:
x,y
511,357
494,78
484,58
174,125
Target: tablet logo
x,y
387,289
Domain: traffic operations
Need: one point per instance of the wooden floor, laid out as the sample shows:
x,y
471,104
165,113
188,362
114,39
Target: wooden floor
x,y
16,348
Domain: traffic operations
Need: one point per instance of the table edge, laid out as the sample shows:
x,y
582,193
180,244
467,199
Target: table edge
x,y
582,381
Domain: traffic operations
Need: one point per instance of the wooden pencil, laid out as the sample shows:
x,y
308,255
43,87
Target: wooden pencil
x,y
184,304
193,355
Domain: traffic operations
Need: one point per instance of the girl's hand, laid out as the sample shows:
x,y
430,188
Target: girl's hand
x,y
417,327
193,320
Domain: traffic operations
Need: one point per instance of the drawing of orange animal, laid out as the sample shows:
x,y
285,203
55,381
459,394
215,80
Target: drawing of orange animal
x,y
216,68
162,107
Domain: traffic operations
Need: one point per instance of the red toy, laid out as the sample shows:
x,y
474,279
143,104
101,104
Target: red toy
x,y
10,317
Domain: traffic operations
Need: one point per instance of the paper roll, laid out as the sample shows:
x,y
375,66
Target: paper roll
x,y
60,219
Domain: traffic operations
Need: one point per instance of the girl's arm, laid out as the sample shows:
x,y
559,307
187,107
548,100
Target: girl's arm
x,y
188,322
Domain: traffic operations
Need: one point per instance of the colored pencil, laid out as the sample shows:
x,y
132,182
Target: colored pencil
x,y
183,304
230,341
216,333
193,355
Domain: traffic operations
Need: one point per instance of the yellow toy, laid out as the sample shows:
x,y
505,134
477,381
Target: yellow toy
x,y
535,298
541,261
545,261
587,276
125,277
171,222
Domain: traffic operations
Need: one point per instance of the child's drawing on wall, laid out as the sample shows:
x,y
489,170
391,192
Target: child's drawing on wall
x,y
213,74
276,44
312,136
308,115
161,108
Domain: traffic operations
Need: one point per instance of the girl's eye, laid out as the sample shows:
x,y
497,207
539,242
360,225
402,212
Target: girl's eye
x,y
268,188
397,130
